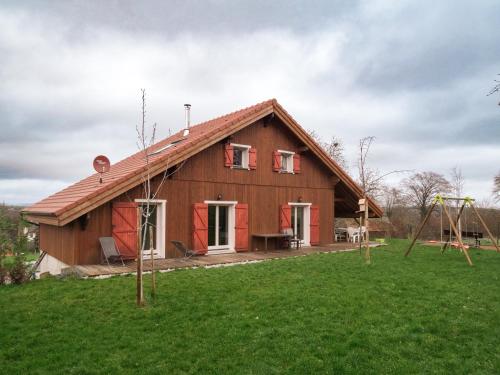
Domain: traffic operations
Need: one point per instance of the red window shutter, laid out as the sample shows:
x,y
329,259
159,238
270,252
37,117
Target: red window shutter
x,y
228,155
252,158
200,228
241,227
276,161
314,224
296,163
285,217
124,220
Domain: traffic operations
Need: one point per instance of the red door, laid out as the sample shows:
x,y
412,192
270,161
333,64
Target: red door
x,y
124,223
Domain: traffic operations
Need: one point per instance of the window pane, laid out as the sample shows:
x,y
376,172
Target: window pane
x,y
211,225
237,157
300,223
223,225
148,220
284,162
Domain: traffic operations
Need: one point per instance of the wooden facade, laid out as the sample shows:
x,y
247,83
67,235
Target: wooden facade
x,y
286,175
205,177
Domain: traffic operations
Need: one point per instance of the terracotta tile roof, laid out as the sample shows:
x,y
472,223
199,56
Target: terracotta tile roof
x,y
82,196
131,166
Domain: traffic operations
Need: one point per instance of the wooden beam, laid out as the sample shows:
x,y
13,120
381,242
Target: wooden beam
x,y
457,235
422,224
456,223
485,227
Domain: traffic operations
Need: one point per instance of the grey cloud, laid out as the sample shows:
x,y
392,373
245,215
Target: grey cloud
x,y
191,16
414,74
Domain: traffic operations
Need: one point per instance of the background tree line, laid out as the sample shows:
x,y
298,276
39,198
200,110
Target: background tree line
x,y
406,203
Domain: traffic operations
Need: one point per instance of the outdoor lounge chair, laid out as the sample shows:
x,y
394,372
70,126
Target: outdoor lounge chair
x,y
109,250
188,253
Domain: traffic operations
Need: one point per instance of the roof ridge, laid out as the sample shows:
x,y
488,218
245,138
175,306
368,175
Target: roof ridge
x,y
269,101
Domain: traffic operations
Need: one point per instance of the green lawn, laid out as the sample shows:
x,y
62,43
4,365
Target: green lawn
x,y
430,313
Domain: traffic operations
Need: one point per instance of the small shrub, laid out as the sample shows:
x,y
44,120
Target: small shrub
x,y
18,271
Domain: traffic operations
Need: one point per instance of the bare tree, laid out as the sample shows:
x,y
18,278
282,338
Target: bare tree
x,y
334,148
392,198
457,181
422,187
457,186
371,181
145,142
496,188
495,88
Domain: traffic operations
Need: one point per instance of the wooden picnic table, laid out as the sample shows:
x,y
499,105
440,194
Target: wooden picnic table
x,y
266,236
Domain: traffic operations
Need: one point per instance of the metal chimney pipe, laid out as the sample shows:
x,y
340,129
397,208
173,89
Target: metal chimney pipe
x,y
188,119
188,115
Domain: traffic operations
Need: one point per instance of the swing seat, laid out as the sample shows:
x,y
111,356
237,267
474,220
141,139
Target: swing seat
x,y
457,245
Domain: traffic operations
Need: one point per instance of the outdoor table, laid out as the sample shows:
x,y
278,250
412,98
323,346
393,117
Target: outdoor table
x,y
266,236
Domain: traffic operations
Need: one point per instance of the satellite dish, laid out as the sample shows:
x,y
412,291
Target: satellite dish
x,y
101,165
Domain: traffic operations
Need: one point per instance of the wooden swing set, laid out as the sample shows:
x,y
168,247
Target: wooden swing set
x,y
443,202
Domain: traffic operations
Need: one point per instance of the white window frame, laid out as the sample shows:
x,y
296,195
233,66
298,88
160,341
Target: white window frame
x,y
161,221
244,156
231,224
307,221
289,154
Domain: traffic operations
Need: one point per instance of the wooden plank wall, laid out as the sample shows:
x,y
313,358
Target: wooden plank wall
x,y
204,177
59,242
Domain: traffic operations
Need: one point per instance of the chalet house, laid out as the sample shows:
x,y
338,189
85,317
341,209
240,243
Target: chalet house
x,y
250,172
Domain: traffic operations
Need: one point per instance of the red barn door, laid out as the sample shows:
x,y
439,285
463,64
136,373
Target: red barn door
x,y
124,223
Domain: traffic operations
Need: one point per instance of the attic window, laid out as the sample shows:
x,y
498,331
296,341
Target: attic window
x,y
286,161
160,150
240,156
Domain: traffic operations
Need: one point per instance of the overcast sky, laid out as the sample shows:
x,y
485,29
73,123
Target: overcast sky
x,y
413,74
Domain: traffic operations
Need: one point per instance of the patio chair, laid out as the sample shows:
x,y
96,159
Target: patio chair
x,y
352,234
110,251
290,241
188,253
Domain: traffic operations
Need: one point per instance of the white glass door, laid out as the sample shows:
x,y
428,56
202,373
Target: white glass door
x,y
218,227
298,222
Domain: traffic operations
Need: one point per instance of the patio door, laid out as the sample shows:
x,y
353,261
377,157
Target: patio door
x,y
220,228
300,221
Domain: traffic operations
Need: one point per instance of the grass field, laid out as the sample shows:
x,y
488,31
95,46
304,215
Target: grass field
x,y
429,313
